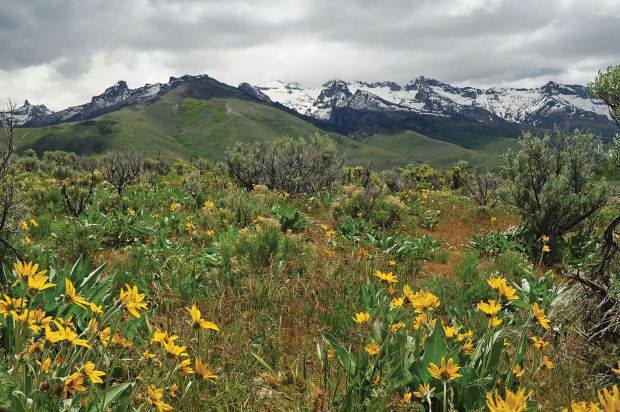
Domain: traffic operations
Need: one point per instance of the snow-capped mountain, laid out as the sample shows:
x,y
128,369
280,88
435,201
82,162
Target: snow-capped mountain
x,y
28,111
543,106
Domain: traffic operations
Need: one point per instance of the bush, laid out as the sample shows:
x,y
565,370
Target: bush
x,y
77,181
481,186
121,169
372,206
551,183
424,176
294,166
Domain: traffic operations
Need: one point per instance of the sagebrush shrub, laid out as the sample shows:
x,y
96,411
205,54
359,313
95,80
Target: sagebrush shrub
x,y
551,182
294,166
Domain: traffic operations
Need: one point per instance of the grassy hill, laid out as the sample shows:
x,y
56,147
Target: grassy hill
x,y
179,125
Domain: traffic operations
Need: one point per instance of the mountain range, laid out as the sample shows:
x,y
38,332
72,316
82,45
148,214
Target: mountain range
x,y
424,114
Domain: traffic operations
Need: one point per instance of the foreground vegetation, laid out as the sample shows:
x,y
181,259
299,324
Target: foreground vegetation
x,y
184,290
284,280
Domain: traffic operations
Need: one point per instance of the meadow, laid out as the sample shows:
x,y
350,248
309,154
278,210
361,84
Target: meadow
x,y
183,290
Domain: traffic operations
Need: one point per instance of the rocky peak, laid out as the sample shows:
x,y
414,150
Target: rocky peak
x,y
254,92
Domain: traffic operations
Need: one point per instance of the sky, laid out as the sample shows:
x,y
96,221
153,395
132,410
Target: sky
x,y
62,52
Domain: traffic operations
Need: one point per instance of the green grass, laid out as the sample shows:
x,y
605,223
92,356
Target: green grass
x,y
409,147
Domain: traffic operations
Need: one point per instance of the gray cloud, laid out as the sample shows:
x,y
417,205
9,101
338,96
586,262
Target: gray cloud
x,y
62,52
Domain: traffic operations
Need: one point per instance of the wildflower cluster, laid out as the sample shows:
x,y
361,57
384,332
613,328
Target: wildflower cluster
x,y
82,347
414,350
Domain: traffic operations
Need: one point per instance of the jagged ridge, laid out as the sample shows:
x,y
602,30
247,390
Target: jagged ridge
x,y
550,103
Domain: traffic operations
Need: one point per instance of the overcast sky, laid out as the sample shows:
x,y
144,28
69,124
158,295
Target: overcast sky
x,y
62,52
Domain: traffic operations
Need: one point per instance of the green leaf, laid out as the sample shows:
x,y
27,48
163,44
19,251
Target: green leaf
x,y
435,346
109,395
346,358
434,349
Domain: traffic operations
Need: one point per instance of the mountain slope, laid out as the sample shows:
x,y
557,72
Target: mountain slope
x,y
204,118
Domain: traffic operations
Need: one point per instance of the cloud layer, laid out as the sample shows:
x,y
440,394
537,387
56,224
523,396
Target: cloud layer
x,y
61,52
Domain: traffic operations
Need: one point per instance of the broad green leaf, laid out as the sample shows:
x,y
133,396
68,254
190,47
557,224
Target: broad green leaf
x,y
109,395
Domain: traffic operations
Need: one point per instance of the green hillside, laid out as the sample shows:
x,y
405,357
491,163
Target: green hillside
x,y
177,125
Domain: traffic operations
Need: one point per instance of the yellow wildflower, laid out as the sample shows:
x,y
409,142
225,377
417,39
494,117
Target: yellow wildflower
x,y
512,402
396,326
105,336
39,283
495,283
97,309
372,348
45,365
208,205
495,321
468,348
173,349
190,226
420,321
185,367
391,262
72,295
361,317
424,391
610,398
147,355
73,384
490,308
26,270
539,314
160,336
446,371
9,305
132,300
421,300
396,303
547,362
546,249
174,207
539,343
64,334
518,371
155,396
198,322
120,340
93,374
37,319
406,400
467,335
385,277
203,370
450,331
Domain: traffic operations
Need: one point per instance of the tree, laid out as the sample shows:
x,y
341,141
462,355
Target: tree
x,y
9,208
606,86
551,182
121,169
